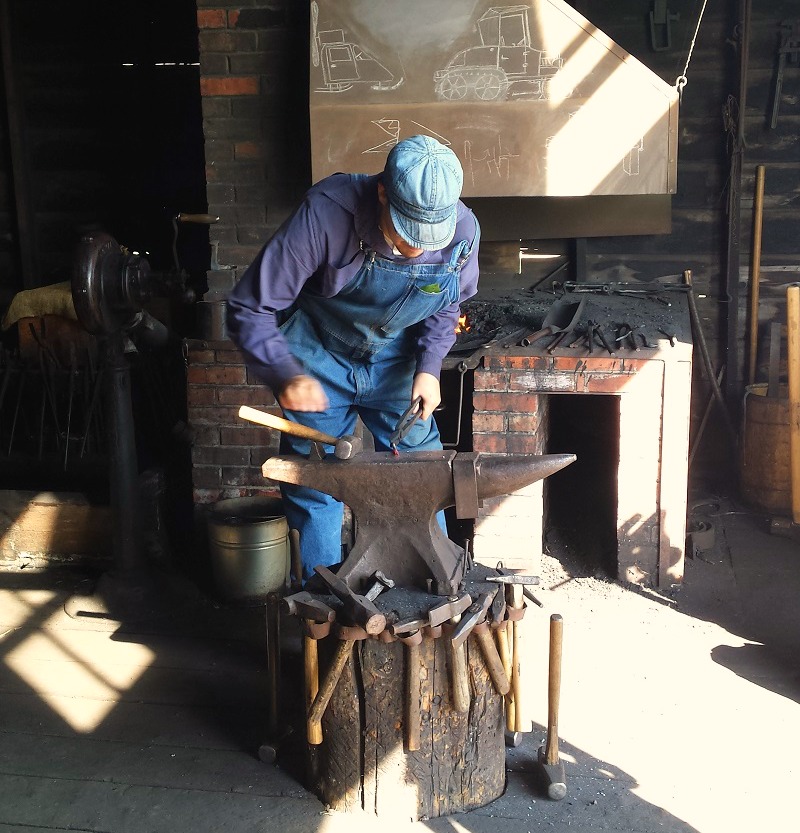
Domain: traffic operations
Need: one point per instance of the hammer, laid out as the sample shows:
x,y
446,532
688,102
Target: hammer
x,y
345,447
551,766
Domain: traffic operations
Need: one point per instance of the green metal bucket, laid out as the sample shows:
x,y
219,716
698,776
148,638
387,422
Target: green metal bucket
x,y
249,547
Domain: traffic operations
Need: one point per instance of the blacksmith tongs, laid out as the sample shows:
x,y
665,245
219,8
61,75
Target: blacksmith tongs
x,y
411,415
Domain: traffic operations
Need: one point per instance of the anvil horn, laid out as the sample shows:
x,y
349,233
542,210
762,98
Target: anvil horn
x,y
502,475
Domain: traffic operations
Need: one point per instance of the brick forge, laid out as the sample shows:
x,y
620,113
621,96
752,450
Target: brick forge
x,y
513,401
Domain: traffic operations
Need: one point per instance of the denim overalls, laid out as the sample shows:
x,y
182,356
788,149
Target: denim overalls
x,y
360,346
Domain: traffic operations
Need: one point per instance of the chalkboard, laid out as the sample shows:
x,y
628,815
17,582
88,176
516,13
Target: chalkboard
x,y
533,98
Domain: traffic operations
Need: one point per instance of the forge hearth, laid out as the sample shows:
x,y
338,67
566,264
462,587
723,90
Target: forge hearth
x,y
646,375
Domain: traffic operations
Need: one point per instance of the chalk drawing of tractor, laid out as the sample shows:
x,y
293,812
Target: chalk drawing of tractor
x,y
345,64
505,64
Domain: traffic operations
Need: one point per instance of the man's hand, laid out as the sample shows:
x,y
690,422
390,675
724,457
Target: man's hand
x,y
303,393
426,385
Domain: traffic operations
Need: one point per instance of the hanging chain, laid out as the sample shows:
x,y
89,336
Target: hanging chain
x,y
681,81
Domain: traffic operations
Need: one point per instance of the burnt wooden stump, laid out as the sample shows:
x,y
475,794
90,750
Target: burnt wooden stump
x,y
364,762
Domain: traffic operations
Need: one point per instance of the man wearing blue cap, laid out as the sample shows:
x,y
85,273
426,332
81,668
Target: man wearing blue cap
x,y
350,308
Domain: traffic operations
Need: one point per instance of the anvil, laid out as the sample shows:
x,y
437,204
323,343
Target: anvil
x,y
395,501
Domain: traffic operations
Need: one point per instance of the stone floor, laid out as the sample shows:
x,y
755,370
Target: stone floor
x,y
126,710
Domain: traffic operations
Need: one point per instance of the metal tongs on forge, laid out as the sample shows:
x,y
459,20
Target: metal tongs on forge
x,y
411,415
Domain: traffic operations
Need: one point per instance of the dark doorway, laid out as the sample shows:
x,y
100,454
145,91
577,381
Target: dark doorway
x,y
581,502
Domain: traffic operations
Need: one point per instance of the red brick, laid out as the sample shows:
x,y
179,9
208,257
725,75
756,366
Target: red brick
x,y
254,396
524,423
211,19
516,362
221,456
490,443
197,395
202,497
249,150
205,436
214,375
233,18
229,357
488,422
214,416
201,356
232,85
244,476
524,444
506,402
248,435
491,381
259,454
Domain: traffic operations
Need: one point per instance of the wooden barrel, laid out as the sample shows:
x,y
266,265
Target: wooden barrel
x,y
766,470
363,763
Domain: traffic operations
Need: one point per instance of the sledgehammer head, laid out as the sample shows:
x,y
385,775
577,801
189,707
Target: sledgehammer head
x,y
554,779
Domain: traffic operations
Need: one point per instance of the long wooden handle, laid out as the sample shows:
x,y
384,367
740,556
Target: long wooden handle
x,y
505,657
281,424
554,689
459,680
413,715
311,676
340,658
494,665
793,355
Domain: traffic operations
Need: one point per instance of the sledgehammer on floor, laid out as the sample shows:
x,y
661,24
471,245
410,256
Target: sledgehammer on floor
x,y
551,767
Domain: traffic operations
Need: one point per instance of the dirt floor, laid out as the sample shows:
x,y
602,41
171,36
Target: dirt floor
x,y
680,707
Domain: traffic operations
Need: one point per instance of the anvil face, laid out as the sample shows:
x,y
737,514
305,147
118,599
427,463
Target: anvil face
x,y
395,501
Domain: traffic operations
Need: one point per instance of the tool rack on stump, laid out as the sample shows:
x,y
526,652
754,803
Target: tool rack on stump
x,y
405,710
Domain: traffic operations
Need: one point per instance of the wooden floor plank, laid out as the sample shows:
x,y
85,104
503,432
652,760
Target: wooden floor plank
x,y
203,727
103,807
89,759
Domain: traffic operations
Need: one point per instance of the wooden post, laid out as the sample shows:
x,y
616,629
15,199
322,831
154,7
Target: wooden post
x,y
755,269
793,351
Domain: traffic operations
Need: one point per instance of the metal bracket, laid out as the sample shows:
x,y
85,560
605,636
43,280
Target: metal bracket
x,y
661,19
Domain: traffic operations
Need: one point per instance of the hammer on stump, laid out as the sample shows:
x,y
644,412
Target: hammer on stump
x,y
551,767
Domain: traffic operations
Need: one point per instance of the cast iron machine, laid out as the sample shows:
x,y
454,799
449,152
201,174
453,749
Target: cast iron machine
x,y
110,289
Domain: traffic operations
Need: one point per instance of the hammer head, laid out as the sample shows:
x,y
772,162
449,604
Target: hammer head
x,y
553,777
347,446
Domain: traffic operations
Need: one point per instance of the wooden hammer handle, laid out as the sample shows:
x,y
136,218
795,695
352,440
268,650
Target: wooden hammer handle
x,y
281,424
554,689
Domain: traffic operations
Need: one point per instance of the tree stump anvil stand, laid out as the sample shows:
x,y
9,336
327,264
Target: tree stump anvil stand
x,y
406,718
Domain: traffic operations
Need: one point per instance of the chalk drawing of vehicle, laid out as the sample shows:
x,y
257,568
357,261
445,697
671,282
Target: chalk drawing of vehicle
x,y
345,64
504,65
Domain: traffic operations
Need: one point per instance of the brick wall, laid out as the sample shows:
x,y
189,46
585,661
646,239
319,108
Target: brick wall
x,y
227,452
253,64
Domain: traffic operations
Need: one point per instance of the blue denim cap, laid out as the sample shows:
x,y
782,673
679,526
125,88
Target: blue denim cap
x,y
423,181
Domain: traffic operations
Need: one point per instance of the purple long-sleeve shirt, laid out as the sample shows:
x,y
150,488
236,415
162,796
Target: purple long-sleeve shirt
x,y
318,249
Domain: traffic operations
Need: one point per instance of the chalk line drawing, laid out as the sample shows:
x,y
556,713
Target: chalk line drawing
x,y
505,64
392,128
630,163
492,160
345,64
